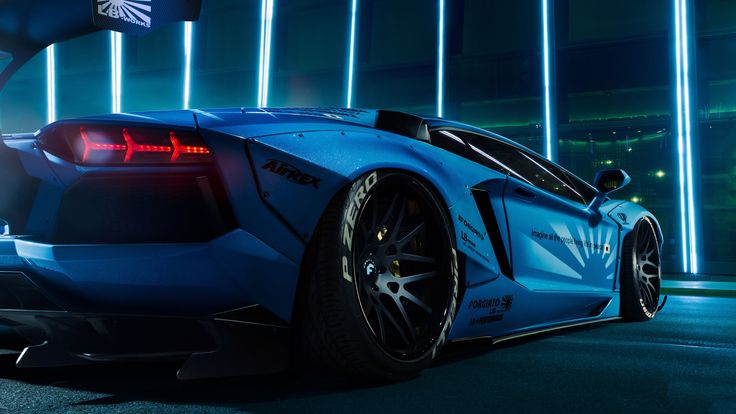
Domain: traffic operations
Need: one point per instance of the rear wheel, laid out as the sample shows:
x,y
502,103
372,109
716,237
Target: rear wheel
x,y
383,286
640,273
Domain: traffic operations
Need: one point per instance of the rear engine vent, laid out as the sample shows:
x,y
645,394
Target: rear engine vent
x,y
144,209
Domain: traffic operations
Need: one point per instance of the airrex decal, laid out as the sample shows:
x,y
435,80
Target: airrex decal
x,y
291,173
136,12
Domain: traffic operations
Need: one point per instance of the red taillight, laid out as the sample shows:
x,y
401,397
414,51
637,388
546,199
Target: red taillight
x,y
109,144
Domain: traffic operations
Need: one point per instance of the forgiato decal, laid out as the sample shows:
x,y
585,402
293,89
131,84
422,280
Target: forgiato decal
x,y
131,11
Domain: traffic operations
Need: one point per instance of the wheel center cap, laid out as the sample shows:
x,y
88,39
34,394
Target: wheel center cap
x,y
370,269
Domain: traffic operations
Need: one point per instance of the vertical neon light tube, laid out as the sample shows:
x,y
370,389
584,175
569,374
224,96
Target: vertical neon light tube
x,y
688,138
351,57
680,140
547,94
264,66
116,47
187,63
441,60
684,140
51,84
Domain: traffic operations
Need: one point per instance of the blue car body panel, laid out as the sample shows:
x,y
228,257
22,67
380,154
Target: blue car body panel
x,y
280,169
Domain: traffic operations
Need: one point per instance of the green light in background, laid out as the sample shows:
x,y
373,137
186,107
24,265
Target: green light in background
x,y
660,174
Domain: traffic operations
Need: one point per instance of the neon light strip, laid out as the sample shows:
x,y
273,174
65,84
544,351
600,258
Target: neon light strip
x,y
441,60
187,62
351,59
264,66
680,139
51,84
688,148
547,97
116,47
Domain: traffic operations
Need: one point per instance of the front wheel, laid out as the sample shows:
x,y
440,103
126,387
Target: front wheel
x,y
640,273
384,282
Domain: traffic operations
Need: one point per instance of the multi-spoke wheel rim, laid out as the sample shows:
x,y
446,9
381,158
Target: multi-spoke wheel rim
x,y
647,267
401,257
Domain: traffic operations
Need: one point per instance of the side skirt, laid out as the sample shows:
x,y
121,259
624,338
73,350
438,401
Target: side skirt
x,y
538,331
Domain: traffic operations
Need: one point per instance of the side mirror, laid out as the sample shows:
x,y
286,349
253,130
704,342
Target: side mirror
x,y
607,181
4,228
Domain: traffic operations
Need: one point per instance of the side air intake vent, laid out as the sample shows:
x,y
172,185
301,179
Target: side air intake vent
x,y
489,220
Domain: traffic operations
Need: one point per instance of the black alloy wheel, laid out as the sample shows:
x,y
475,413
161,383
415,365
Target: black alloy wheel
x,y
384,287
403,292
640,273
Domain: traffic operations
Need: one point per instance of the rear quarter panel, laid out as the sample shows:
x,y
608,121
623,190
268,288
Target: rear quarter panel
x,y
321,164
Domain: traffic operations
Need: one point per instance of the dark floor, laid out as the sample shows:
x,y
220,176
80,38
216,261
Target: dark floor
x,y
683,361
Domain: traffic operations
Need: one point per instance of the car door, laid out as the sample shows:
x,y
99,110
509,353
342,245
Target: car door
x,y
557,243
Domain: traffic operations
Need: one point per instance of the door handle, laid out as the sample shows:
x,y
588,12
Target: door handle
x,y
523,192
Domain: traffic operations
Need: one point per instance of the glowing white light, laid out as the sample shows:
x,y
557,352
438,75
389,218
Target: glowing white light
x,y
684,141
116,48
187,62
351,58
688,148
264,67
51,84
441,60
680,140
547,97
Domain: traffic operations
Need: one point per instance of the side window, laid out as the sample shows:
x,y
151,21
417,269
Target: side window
x,y
449,141
522,165
488,152
581,186
549,177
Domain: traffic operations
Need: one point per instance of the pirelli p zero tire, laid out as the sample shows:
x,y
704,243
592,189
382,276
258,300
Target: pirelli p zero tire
x,y
640,273
383,286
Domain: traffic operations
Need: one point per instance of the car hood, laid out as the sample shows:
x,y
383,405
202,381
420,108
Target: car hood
x,y
29,26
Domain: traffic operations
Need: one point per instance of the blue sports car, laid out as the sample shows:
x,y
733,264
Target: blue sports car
x,y
368,238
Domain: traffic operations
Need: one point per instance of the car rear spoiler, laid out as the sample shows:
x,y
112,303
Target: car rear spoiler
x,y
29,26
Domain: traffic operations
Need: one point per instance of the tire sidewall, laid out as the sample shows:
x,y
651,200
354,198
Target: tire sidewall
x,y
356,199
633,306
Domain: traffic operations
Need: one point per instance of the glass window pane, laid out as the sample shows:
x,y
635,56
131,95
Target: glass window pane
x,y
716,49
23,100
449,141
84,77
614,102
225,59
153,70
396,56
494,68
309,56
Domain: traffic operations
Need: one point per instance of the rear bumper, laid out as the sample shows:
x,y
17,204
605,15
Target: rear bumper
x,y
183,280
209,347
